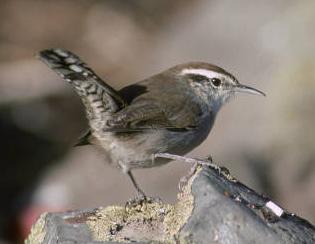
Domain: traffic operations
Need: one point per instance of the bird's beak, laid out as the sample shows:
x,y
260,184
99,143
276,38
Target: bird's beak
x,y
248,89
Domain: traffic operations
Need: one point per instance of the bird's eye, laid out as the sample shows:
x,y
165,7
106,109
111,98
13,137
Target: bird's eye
x,y
216,82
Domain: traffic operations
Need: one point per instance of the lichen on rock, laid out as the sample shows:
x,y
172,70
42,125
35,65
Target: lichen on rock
x,y
37,234
150,221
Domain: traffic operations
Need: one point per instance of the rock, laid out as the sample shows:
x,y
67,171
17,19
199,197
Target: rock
x,y
212,207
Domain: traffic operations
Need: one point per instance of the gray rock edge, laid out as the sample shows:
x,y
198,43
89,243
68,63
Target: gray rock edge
x,y
225,211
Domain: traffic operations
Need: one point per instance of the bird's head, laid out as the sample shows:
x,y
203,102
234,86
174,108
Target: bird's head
x,y
211,83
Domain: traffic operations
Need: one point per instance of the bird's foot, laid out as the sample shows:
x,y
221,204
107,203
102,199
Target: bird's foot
x,y
141,201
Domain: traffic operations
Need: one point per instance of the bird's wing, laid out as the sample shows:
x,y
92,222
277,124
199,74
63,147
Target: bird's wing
x,y
145,116
97,96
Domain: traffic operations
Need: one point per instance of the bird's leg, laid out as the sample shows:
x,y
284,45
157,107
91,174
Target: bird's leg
x,y
141,199
183,181
208,162
141,193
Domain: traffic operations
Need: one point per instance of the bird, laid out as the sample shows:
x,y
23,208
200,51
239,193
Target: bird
x,y
170,112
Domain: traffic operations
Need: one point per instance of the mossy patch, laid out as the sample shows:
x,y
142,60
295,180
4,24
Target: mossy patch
x,y
38,233
153,221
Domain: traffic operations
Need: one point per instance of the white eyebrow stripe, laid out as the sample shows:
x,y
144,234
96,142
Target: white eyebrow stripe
x,y
204,72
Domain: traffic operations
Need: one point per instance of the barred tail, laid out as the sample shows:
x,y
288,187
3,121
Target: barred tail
x,y
97,96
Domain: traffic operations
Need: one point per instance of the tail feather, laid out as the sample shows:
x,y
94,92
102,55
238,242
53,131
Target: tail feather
x,y
84,139
97,96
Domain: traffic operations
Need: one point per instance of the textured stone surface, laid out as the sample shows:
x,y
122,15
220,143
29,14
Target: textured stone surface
x,y
212,207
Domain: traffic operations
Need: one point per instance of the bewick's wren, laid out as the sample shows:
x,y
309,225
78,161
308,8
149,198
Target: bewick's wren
x,y
171,112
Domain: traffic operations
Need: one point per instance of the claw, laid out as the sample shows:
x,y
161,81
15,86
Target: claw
x,y
141,201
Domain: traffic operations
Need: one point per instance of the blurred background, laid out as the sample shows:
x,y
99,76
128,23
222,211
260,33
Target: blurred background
x,y
268,143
